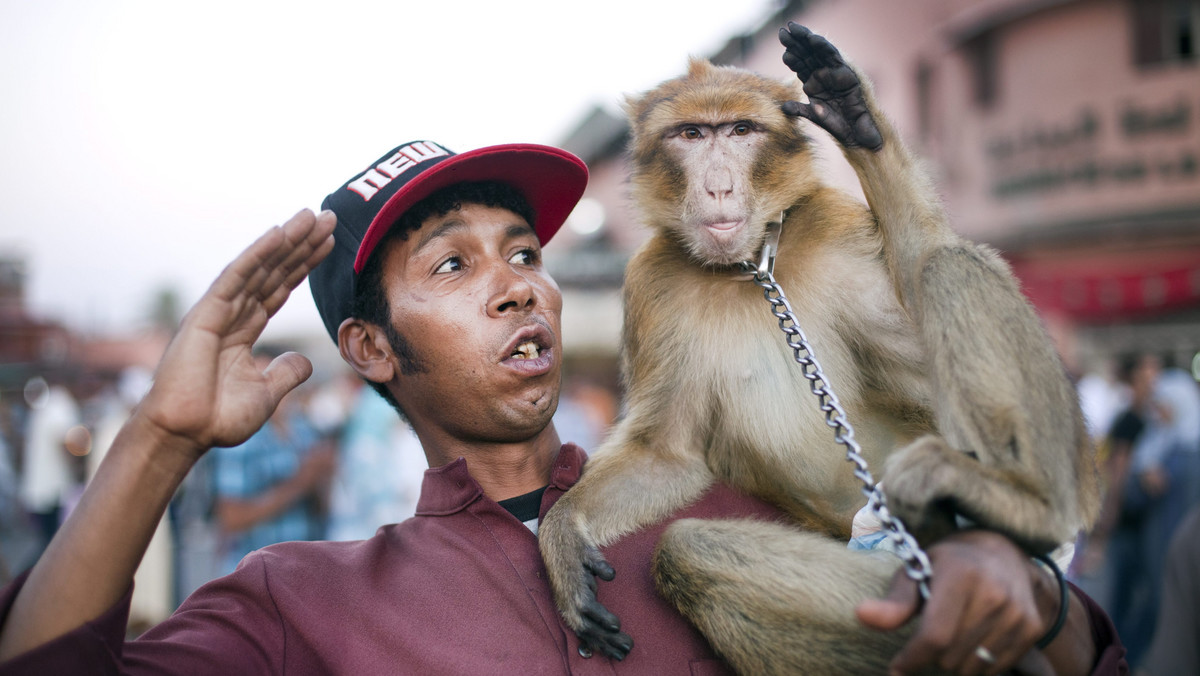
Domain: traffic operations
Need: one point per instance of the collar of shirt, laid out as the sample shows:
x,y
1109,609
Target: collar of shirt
x,y
450,488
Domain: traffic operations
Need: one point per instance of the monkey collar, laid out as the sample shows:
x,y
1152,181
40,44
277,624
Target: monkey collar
x,y
766,259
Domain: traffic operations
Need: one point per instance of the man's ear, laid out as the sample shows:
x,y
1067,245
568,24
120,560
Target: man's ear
x,y
365,348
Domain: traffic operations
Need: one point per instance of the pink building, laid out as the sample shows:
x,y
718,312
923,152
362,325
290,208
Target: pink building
x,y
1064,132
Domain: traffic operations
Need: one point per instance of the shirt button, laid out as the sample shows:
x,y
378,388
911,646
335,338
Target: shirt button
x,y
585,652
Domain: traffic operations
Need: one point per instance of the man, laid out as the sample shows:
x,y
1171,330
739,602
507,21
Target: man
x,y
440,300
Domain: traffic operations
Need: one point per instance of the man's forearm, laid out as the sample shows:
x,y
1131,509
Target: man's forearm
x,y
91,561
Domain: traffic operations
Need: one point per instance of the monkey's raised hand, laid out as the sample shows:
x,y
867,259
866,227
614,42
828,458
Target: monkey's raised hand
x,y
836,101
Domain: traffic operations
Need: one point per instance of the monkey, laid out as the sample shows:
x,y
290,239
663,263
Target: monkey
x,y
940,363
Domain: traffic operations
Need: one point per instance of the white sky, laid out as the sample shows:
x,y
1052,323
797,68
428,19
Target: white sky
x,y
143,144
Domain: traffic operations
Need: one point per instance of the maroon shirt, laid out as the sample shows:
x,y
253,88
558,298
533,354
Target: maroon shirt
x,y
459,588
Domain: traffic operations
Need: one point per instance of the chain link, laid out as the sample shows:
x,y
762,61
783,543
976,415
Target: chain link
x,y
916,562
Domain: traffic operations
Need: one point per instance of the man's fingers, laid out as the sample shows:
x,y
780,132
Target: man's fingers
x,y
265,273
936,632
891,612
285,373
317,245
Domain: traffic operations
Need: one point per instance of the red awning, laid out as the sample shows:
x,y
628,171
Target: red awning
x,y
1112,287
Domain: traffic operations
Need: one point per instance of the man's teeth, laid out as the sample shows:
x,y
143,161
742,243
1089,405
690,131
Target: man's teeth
x,y
526,350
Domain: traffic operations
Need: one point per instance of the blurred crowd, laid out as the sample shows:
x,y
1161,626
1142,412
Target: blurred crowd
x,y
335,462
1139,561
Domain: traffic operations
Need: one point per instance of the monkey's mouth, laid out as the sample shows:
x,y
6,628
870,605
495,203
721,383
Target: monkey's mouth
x,y
723,226
725,235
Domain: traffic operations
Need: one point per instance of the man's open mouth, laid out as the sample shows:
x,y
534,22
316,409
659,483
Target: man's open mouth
x,y
527,350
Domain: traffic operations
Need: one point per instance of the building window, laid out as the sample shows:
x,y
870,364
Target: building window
x,y
924,100
981,55
1165,31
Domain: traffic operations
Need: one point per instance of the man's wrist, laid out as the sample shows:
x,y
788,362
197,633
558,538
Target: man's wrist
x,y
157,450
1063,604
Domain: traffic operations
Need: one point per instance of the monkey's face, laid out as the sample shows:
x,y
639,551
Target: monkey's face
x,y
719,218
715,159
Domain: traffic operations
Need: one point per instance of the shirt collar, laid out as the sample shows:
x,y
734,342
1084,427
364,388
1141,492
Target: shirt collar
x,y
451,488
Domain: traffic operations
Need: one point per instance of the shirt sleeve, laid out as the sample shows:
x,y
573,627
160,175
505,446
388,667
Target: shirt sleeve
x,y
92,648
228,626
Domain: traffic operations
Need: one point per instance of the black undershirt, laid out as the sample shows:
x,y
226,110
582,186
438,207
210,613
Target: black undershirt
x,y
525,507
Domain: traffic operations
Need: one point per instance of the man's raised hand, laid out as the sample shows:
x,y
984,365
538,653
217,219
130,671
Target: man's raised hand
x,y
207,390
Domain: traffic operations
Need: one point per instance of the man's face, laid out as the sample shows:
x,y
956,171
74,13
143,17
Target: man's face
x,y
469,293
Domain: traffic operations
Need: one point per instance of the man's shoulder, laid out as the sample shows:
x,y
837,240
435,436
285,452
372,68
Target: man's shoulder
x,y
282,555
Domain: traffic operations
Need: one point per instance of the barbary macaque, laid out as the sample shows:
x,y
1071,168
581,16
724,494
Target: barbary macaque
x,y
944,370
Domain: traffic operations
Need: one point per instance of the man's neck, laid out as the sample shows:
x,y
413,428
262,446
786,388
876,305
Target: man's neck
x,y
503,470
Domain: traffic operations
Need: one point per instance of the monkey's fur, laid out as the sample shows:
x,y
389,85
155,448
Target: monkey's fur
x,y
943,369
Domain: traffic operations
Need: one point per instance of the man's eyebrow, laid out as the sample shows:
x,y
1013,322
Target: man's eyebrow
x,y
443,230
519,230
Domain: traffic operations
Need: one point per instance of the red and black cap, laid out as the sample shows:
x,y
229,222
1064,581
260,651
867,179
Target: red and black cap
x,y
552,181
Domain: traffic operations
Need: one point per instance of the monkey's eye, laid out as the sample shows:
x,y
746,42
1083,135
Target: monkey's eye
x,y
691,133
742,128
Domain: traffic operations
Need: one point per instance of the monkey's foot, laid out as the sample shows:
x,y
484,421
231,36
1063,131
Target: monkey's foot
x,y
929,484
836,100
918,482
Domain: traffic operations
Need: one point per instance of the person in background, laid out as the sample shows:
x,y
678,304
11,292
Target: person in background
x,y
274,487
1176,646
46,471
1119,532
379,470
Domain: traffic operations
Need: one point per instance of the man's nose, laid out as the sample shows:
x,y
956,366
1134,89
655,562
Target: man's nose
x,y
512,292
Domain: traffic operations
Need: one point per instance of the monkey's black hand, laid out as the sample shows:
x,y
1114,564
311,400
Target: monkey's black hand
x,y
835,94
574,563
600,630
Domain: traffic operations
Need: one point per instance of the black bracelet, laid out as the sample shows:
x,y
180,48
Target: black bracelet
x,y
1063,603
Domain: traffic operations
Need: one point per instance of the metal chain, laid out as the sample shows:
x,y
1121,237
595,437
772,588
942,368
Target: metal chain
x,y
916,562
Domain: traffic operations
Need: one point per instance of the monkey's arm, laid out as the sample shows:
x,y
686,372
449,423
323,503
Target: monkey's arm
x,y
1000,393
651,466
626,485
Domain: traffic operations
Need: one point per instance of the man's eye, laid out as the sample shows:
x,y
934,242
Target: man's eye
x,y
524,257
453,264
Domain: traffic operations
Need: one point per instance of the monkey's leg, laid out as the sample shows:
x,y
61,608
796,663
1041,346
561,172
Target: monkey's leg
x,y
625,486
1015,455
1001,394
775,600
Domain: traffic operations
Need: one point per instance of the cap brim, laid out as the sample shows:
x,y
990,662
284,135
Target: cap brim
x,y
552,180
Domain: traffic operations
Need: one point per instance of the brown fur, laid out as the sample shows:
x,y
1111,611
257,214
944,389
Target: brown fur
x,y
911,325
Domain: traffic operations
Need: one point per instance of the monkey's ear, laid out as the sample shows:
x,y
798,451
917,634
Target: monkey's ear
x,y
630,104
365,348
698,67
